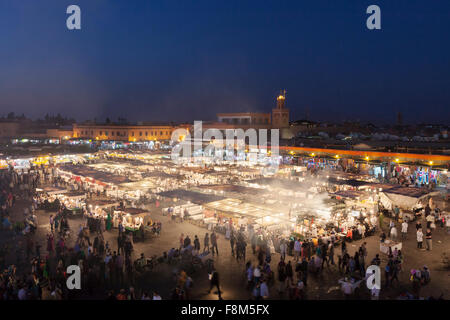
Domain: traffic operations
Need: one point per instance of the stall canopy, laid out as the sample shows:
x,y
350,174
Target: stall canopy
x,y
136,212
349,194
103,203
349,182
239,208
95,174
403,197
279,183
235,189
194,197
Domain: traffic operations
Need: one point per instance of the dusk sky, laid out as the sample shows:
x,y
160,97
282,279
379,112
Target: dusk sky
x,y
189,59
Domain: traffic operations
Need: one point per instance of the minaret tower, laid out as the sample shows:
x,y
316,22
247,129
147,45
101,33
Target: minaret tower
x,y
280,115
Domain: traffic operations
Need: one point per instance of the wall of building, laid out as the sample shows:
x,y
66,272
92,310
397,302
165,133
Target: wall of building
x,y
123,133
60,134
245,118
9,129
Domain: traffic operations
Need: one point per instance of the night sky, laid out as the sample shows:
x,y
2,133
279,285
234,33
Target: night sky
x,y
189,59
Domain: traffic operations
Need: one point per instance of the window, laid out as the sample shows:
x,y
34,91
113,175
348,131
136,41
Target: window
x,y
132,133
101,132
118,133
92,132
112,133
106,133
140,133
161,133
146,133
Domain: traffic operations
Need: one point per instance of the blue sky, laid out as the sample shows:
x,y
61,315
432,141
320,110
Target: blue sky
x,y
187,60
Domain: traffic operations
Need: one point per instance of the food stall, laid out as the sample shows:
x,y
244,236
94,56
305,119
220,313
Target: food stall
x,y
3,164
133,220
384,246
230,212
73,201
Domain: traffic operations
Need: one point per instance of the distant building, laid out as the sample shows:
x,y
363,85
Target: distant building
x,y
124,132
279,119
63,133
9,129
244,118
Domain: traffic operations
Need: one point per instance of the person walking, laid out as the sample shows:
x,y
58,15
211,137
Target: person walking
x,y
428,240
289,274
304,271
331,252
257,273
264,289
232,243
181,241
186,242
381,220
394,232
283,248
206,242
419,238
281,276
394,272
404,229
215,283
196,243
119,269
214,243
120,243
343,247
249,273
430,220
52,222
387,274
297,249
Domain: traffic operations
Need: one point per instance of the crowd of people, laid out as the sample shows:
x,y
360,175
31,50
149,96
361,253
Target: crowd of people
x,y
112,270
35,272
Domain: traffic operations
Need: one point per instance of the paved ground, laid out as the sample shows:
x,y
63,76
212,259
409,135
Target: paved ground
x,y
232,272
